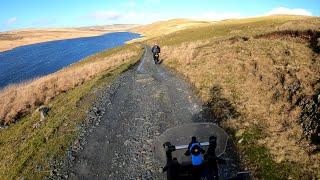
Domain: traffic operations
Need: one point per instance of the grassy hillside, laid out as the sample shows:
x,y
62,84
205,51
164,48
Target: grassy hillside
x,y
29,145
260,76
167,27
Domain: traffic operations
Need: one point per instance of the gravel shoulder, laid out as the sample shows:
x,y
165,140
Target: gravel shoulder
x,y
132,112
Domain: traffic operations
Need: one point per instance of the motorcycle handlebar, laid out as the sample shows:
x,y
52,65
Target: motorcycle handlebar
x,y
180,147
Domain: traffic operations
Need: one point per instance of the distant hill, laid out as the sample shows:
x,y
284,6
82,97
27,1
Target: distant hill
x,y
170,26
113,27
12,39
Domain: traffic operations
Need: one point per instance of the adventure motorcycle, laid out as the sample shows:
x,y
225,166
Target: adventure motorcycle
x,y
200,159
156,58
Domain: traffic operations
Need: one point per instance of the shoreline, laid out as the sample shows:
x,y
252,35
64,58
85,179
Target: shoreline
x,y
54,40
65,66
13,39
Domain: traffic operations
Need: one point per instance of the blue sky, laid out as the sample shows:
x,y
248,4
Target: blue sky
x,y
16,14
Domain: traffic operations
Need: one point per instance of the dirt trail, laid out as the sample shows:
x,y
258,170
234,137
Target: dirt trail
x,y
139,106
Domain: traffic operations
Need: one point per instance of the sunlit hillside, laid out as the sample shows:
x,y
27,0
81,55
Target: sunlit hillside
x,y
260,77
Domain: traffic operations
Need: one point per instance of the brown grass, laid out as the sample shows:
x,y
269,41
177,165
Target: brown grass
x,y
258,76
247,71
17,100
167,27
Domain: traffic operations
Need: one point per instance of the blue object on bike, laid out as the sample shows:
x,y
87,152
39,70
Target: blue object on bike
x,y
196,156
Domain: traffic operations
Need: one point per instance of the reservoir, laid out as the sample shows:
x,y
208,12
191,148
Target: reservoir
x,y
36,60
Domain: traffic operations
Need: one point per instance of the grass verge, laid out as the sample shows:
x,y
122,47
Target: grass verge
x,y
258,158
18,99
26,151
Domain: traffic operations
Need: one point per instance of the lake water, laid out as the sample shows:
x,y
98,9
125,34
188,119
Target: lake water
x,y
31,61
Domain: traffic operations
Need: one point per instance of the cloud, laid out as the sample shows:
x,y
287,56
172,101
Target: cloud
x,y
103,15
131,4
140,17
284,10
10,21
215,16
152,1
117,17
141,4
43,22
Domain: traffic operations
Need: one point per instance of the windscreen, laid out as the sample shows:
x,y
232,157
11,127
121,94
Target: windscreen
x,y
181,135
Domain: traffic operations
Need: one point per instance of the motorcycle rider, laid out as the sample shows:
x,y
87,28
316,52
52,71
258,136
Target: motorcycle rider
x,y
155,50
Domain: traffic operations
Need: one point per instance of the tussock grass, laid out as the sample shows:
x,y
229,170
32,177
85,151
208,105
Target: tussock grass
x,y
25,151
17,100
265,79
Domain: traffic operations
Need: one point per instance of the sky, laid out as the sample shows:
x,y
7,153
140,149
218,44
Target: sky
x,y
20,14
